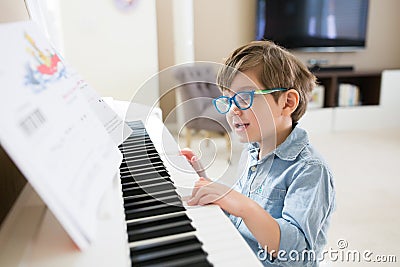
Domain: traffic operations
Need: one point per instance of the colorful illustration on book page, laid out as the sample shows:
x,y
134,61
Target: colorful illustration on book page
x,y
44,67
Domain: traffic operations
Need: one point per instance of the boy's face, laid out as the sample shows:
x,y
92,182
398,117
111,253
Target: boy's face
x,y
256,124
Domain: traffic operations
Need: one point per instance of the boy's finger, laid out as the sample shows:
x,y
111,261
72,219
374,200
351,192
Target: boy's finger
x,y
197,185
205,179
186,151
197,166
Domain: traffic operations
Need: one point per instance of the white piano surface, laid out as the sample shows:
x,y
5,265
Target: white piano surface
x,y
32,236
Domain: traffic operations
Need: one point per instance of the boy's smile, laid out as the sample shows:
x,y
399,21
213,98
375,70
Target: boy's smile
x,y
241,126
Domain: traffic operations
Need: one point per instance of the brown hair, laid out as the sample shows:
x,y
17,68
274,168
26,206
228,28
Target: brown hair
x,y
275,67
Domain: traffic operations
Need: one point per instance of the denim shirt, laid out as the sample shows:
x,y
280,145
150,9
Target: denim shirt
x,y
294,185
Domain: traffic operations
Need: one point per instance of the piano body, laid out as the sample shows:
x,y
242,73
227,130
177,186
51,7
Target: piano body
x,y
32,236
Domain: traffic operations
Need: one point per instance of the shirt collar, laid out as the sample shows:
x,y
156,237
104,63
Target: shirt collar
x,y
289,149
293,145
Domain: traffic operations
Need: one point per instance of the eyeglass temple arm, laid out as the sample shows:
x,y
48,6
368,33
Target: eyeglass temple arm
x,y
272,90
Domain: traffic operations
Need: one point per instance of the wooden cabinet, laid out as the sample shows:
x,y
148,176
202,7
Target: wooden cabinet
x,y
379,94
368,82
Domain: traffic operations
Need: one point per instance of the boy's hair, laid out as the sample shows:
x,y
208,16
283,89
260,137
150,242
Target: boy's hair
x,y
275,67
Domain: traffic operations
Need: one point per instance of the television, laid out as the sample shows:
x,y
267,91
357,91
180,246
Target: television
x,y
313,25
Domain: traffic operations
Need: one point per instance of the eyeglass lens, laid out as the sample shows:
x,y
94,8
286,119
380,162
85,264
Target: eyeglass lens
x,y
243,100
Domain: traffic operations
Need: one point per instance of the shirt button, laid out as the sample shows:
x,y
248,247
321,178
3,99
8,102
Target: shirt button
x,y
253,168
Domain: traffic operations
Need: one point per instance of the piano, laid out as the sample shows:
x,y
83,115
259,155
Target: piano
x,y
142,221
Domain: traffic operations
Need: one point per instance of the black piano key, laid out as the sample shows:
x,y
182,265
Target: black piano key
x,y
145,176
130,143
155,251
135,145
147,189
156,195
160,231
133,162
151,158
165,252
159,227
151,201
130,170
133,154
192,258
151,210
148,180
153,221
158,210
139,137
142,162
139,161
158,186
131,179
127,159
145,194
153,181
134,169
149,192
144,252
191,255
150,170
137,148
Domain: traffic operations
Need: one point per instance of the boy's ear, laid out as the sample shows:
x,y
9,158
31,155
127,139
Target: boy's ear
x,y
290,101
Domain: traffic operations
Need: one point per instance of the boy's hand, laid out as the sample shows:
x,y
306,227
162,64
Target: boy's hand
x,y
209,192
194,161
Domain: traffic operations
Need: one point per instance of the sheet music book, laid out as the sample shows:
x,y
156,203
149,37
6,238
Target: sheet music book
x,y
50,131
114,125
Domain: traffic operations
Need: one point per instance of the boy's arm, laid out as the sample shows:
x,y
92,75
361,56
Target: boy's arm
x,y
261,224
303,216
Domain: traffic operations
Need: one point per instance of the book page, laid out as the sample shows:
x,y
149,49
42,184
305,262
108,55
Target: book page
x,y
51,133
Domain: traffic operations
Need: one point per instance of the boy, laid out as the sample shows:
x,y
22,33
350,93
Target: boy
x,y
284,199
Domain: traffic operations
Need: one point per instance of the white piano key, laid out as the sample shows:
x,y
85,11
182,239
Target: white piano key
x,y
181,173
225,245
221,240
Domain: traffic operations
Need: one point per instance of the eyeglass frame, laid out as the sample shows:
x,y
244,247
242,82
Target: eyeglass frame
x,y
252,93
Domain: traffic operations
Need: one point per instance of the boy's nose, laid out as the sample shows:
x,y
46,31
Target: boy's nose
x,y
235,110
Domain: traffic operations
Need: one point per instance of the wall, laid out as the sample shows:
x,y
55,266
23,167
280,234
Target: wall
x,y
166,54
11,10
115,51
215,33
221,26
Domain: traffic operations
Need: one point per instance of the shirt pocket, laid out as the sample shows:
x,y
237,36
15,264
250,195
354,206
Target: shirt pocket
x,y
271,199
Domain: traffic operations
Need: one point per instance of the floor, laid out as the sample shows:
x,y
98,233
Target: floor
x,y
365,166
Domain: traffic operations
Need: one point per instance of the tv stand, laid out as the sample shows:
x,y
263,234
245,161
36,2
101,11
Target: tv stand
x,y
369,83
367,114
318,68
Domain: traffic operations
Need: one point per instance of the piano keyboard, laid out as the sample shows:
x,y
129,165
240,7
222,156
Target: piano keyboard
x,y
159,231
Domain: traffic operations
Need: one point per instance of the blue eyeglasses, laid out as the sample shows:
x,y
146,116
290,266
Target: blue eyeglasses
x,y
243,100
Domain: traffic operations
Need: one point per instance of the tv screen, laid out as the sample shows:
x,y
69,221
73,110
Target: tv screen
x,y
313,25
